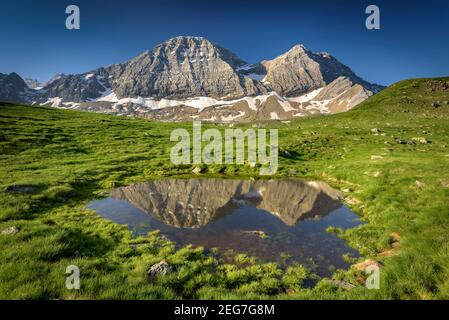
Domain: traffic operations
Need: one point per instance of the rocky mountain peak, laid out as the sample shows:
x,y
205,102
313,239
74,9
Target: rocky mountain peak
x,y
12,87
188,76
298,48
32,83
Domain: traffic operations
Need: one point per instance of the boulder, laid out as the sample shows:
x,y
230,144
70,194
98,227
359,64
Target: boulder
x,y
197,170
420,184
159,269
10,231
421,140
361,266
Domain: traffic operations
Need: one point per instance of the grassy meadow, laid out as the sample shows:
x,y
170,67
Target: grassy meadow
x,y
390,155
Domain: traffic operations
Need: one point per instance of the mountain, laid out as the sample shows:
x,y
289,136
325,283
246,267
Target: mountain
x,y
190,77
33,84
12,88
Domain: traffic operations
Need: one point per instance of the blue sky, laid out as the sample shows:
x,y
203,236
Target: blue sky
x,y
413,40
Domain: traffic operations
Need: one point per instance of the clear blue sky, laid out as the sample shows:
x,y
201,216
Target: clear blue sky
x,y
413,40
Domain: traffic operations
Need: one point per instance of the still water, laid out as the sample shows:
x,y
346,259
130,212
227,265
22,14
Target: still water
x,y
282,220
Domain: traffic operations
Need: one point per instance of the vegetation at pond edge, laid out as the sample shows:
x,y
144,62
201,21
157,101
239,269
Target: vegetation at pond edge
x,y
390,156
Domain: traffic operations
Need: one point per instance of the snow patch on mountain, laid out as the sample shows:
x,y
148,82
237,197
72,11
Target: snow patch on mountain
x,y
306,97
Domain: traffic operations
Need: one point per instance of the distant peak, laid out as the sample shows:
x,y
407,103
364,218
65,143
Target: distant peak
x,y
185,39
298,47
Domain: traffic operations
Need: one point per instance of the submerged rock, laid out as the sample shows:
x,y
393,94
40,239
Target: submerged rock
x,y
261,234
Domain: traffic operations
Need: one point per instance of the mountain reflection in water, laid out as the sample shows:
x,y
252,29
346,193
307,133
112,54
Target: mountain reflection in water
x,y
232,214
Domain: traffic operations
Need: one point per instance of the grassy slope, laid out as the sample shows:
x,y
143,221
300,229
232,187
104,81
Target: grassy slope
x,y
70,157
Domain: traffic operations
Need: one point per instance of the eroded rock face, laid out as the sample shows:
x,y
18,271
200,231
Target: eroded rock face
x,y
194,203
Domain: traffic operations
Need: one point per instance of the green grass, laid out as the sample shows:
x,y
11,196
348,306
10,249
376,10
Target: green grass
x,y
70,157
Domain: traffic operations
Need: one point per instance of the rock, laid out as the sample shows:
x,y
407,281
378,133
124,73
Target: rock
x,y
395,245
421,140
437,85
353,201
395,237
285,153
342,284
375,130
407,100
361,266
159,269
436,104
420,184
10,231
376,157
197,170
387,253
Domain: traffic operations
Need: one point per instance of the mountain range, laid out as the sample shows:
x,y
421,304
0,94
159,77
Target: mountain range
x,y
188,78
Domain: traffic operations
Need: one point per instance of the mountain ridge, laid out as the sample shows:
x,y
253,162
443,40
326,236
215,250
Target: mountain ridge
x,y
186,68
